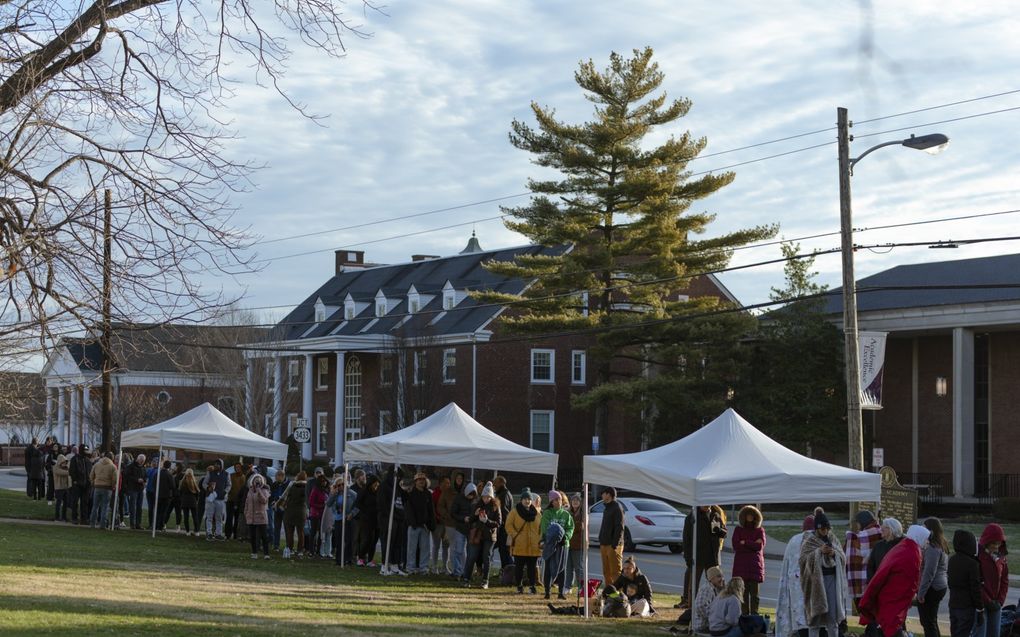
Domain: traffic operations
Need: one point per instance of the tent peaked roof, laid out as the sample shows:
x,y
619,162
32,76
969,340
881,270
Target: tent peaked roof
x,y
204,428
451,438
728,461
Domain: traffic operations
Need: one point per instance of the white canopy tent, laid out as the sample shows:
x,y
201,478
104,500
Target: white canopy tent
x,y
203,428
728,461
448,438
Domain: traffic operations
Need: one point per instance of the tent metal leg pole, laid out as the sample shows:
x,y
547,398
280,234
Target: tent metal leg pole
x,y
343,516
155,500
389,532
116,490
584,543
694,571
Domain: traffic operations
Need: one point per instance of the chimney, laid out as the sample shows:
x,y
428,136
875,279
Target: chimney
x,y
349,260
424,257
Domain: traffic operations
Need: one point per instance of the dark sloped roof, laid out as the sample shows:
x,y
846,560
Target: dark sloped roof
x,y
163,348
1004,269
464,271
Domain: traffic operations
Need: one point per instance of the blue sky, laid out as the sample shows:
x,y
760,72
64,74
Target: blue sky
x,y
418,116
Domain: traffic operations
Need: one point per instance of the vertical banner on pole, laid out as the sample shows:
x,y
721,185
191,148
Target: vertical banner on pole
x,y
872,349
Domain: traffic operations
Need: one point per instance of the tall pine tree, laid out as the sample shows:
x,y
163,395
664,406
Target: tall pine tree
x,y
624,206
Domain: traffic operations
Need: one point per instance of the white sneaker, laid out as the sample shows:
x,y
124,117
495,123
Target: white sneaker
x,y
286,554
385,571
397,571
266,557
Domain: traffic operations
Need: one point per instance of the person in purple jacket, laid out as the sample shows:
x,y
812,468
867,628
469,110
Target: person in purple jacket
x,y
749,556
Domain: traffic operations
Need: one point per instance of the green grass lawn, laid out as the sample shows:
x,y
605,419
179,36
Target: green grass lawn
x,y
15,504
59,579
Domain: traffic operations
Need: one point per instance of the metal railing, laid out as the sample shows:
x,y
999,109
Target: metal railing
x,y
931,487
998,485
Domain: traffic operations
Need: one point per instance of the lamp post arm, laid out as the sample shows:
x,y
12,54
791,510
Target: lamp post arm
x,y
854,160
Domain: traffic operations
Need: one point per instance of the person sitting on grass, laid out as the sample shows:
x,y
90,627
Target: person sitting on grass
x,y
635,586
706,595
724,613
614,603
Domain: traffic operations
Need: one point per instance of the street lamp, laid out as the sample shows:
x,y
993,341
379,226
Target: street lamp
x,y
931,144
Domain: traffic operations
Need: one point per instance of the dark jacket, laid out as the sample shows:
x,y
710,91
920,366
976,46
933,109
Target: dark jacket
x,y
611,531
878,552
219,481
189,499
295,504
964,573
276,490
35,463
462,508
419,509
132,474
368,504
166,485
506,501
79,469
493,519
644,589
711,531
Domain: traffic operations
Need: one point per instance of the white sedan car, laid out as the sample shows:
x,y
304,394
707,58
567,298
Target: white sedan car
x,y
647,521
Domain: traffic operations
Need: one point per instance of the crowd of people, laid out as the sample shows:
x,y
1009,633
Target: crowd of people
x,y
457,527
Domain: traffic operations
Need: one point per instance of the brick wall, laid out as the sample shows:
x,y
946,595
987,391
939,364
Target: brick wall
x,y
1004,349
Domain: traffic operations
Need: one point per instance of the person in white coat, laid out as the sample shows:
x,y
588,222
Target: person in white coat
x,y
790,619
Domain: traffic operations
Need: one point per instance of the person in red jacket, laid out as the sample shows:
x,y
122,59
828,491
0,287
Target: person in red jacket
x,y
995,578
749,556
891,591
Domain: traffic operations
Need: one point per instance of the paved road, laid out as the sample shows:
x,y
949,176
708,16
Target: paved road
x,y
13,478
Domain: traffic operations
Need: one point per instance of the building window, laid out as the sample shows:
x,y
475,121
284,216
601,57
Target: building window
x,y
227,405
449,300
542,363
321,372
578,366
353,433
349,311
386,371
380,307
320,312
293,375
321,432
291,423
419,367
420,414
352,394
449,366
271,376
385,422
414,305
542,430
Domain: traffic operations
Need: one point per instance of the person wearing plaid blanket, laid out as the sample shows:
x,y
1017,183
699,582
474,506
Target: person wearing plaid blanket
x,y
858,548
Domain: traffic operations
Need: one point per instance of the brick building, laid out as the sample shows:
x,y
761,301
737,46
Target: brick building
x,y
158,371
951,405
409,339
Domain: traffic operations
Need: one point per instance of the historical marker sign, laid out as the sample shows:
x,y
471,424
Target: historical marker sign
x,y
897,501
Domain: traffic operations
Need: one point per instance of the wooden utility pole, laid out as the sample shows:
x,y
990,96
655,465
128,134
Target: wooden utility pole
x,y
107,328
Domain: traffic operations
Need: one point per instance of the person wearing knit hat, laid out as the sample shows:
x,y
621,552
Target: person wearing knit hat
x,y
576,548
823,578
859,545
523,530
486,518
554,496
460,515
892,590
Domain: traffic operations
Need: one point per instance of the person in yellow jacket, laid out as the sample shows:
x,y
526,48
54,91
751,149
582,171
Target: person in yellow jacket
x,y
524,534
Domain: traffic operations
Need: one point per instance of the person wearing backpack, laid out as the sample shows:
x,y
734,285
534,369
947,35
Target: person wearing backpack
x,y
554,542
963,576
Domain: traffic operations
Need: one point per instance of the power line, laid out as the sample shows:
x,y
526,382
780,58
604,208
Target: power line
x,y
943,121
932,108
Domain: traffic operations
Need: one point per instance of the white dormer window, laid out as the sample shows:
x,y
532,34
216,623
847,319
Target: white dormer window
x,y
449,296
413,300
380,304
320,311
350,308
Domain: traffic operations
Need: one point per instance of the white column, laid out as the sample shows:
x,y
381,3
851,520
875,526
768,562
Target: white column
x,y
306,448
962,391
84,419
249,397
64,433
75,424
339,432
277,399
